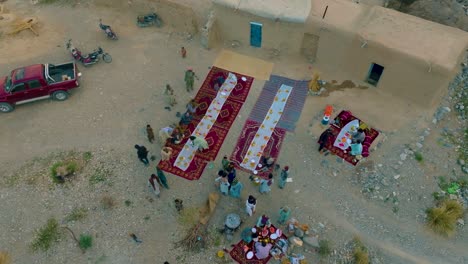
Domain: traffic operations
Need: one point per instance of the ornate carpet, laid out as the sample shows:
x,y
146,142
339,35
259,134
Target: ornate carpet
x,y
218,132
272,148
346,117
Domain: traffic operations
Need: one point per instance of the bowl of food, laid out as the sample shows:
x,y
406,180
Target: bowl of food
x,y
250,255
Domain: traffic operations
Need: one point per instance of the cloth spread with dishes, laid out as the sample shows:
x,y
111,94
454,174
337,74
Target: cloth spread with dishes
x,y
267,242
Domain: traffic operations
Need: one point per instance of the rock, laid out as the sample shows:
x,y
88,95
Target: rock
x,y
311,241
419,145
384,182
321,225
299,233
461,222
396,177
461,162
403,156
453,197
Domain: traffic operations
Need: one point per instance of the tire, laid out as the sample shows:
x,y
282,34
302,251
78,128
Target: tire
x,y
60,95
6,108
106,57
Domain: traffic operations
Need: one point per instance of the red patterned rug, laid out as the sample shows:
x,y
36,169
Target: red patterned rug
x,y
237,253
220,129
248,133
345,117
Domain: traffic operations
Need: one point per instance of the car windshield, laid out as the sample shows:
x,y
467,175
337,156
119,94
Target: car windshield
x,y
8,84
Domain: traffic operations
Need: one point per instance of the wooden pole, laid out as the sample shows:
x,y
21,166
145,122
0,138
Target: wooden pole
x,y
325,12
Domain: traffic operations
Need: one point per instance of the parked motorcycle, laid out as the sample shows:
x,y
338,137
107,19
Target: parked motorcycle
x,y
149,20
108,30
91,58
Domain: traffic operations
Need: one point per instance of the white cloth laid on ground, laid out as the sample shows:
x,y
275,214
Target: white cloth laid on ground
x,y
343,140
266,129
187,153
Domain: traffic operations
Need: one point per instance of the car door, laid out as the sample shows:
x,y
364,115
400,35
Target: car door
x,y
19,93
36,90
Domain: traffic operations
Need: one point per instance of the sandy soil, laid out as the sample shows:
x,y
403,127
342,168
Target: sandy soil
x,y
107,116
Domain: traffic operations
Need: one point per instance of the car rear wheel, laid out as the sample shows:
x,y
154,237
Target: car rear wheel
x,y
60,95
6,107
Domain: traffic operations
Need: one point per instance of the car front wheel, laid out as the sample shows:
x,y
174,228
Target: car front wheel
x,y
60,95
6,107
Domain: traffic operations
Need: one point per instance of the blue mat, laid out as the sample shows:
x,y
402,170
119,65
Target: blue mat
x,y
293,109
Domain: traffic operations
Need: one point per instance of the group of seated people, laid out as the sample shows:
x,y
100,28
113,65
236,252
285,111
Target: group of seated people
x,y
357,139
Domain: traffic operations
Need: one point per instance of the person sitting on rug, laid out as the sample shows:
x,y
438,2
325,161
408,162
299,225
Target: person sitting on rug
x,y
192,106
262,250
246,235
356,148
219,82
222,182
186,118
358,136
323,139
177,136
199,142
266,162
263,221
165,134
166,153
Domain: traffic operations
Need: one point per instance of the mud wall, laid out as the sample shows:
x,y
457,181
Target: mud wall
x,y
175,16
234,25
407,77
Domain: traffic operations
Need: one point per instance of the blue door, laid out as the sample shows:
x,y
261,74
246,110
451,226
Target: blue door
x,y
255,34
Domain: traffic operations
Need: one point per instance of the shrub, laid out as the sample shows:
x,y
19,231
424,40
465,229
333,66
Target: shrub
x,y
443,219
324,248
47,235
53,172
128,202
443,183
77,214
107,202
5,258
418,156
100,175
86,241
87,156
360,255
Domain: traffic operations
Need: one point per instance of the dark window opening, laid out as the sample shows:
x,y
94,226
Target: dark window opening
x,y
34,84
375,72
19,88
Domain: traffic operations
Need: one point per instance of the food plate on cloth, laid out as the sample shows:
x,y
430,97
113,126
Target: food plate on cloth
x,y
272,229
274,236
250,255
254,230
265,232
279,232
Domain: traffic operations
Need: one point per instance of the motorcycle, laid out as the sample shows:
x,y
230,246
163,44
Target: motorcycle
x,y
91,58
107,29
149,20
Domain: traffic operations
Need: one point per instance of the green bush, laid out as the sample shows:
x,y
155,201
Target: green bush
x,y
87,156
324,248
77,214
418,156
47,235
86,241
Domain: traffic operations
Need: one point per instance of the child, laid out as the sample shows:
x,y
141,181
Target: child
x,y
150,133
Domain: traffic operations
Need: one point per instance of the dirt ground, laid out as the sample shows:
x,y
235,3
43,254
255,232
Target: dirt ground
x,y
107,116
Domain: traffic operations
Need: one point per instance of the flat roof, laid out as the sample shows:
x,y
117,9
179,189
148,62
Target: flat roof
x,y
429,41
286,10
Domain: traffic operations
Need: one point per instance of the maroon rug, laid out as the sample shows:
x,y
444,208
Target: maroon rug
x,y
218,132
272,148
344,118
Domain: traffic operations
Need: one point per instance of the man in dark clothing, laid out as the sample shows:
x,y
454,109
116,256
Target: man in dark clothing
x,y
142,153
324,139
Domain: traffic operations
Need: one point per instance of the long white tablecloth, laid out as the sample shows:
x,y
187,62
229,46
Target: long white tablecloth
x,y
266,129
187,153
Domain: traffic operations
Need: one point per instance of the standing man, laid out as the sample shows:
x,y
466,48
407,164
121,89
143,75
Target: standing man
x,y
142,153
190,79
153,184
283,177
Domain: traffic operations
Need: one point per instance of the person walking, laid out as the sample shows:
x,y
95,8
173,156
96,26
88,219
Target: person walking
x,y
170,96
236,188
150,133
142,153
250,205
166,153
225,163
162,178
153,184
283,177
284,214
183,52
190,79
265,184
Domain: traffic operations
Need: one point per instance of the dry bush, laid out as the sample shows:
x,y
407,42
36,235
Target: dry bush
x,y
360,256
107,202
189,217
443,219
5,258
